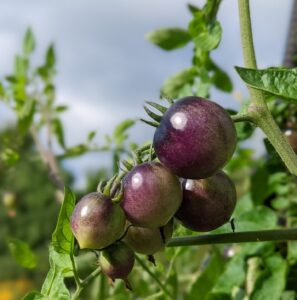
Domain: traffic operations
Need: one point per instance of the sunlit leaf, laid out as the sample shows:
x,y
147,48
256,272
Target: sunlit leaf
x,y
62,239
29,42
206,281
274,285
22,253
59,132
91,136
277,81
50,58
169,38
174,84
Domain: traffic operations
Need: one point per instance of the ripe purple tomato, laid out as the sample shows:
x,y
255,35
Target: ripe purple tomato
x,y
207,203
152,195
195,138
291,136
96,222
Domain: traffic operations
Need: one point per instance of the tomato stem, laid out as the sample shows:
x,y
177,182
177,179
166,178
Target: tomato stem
x,y
258,111
237,237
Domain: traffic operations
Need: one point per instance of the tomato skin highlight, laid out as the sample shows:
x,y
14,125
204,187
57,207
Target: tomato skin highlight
x,y
195,138
96,222
207,203
152,195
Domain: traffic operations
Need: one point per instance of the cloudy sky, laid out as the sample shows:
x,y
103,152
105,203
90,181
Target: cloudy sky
x,y
106,69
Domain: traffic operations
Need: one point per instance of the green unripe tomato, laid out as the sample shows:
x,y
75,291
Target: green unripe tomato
x,y
96,222
149,240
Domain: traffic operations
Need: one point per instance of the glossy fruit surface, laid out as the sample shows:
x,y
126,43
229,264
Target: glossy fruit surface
x,y
207,203
149,240
152,195
195,138
117,261
96,222
291,136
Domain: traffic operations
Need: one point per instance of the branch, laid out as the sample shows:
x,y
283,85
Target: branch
x,y
237,237
48,159
258,110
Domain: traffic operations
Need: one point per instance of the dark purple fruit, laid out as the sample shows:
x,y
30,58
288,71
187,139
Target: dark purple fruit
x,y
195,138
291,136
152,195
149,240
207,203
117,261
96,222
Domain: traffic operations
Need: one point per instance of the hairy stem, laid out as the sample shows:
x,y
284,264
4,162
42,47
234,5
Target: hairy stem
x,y
85,283
237,237
75,274
258,110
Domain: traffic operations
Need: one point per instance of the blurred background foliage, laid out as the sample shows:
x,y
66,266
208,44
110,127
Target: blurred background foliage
x,y
31,172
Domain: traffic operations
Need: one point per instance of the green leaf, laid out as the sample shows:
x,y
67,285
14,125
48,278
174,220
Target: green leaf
x,y
26,114
2,92
222,80
29,42
119,133
205,282
259,218
292,245
256,274
91,136
209,38
61,108
193,9
74,151
34,296
175,83
288,295
277,81
9,156
274,285
169,38
62,238
58,131
218,296
22,253
244,130
60,267
259,185
50,58
210,9
234,275
21,65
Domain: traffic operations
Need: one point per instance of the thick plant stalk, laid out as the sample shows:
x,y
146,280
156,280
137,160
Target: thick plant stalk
x,y
237,237
258,111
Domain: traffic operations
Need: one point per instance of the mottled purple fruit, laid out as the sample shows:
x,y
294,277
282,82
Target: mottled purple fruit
x,y
291,136
195,138
152,195
149,240
207,203
117,261
96,222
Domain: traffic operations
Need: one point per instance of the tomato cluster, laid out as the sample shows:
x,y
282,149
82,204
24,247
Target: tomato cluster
x,y
193,141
